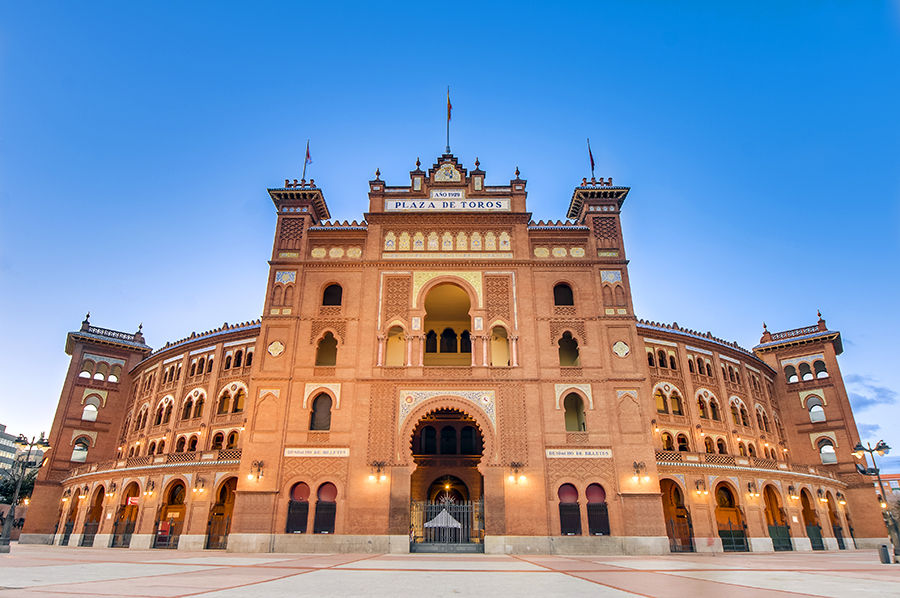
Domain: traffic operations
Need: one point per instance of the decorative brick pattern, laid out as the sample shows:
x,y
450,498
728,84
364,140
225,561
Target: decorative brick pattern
x,y
498,301
512,426
382,407
576,327
291,233
319,326
395,303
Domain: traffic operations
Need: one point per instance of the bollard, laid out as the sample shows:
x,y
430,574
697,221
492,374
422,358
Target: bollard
x,y
885,553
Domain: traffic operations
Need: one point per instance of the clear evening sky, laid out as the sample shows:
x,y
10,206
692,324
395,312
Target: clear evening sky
x,y
761,144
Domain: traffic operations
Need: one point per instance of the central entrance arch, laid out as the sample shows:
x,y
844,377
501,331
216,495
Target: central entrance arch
x,y
446,487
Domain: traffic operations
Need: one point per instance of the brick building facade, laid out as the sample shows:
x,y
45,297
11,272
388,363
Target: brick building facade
x,y
449,373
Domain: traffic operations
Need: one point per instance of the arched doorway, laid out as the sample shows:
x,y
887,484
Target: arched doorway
x,y
126,515
92,518
448,340
219,522
811,521
776,519
170,517
597,510
835,522
730,520
678,519
446,486
298,509
69,525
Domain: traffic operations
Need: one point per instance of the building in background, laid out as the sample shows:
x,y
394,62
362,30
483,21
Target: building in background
x,y
7,448
450,375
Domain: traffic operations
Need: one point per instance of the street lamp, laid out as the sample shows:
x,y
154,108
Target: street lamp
x,y
881,449
22,442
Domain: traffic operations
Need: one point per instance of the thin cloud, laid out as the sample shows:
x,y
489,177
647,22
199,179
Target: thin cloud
x,y
867,430
865,392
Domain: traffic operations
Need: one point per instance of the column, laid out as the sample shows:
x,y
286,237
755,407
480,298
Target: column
x,y
380,360
514,350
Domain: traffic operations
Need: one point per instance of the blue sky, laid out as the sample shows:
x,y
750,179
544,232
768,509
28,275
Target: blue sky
x,y
760,142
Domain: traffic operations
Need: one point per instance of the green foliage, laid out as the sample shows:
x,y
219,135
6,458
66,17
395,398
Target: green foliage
x,y
8,487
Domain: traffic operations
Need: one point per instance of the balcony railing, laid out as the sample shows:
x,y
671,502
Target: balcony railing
x,y
210,457
777,336
736,460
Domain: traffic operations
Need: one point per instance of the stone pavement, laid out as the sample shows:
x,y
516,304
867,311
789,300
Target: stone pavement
x,y
33,571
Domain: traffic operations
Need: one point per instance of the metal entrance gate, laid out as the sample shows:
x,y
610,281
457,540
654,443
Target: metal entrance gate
x,y
89,533
446,527
734,539
814,532
839,536
781,537
681,534
67,532
217,532
121,536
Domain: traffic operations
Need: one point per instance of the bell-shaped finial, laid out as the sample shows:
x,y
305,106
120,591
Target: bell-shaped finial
x,y
418,163
377,173
765,328
517,172
477,163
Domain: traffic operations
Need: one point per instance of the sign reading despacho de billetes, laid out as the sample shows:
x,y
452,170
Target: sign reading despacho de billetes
x,y
447,200
315,452
579,453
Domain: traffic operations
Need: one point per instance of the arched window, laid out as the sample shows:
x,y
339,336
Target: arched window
x,y
745,417
724,497
597,512
569,511
232,441
661,404
188,409
661,358
766,423
228,362
431,342
116,373
708,444
238,404
448,341
708,369
179,445
499,347
620,295
790,374
568,350
819,367
102,369
826,451
429,440
332,295
759,423
751,449
672,362
465,342
675,400
209,365
193,369
161,447
288,295
198,407
683,445
574,413
562,295
701,405
690,365
650,360
249,359
320,417
467,441
742,450
168,413
735,414
217,441
298,509
668,443
87,369
815,408
91,409
224,402
159,415
731,373
238,358
395,345
805,372
714,410
80,451
151,449
192,443
720,445
326,508
448,440
326,351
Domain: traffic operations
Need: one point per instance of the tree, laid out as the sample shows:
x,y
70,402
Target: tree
x,y
8,487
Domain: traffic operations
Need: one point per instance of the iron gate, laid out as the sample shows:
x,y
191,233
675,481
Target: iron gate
x,y
446,527
67,532
121,536
839,536
681,534
166,533
734,539
814,532
781,537
89,533
217,532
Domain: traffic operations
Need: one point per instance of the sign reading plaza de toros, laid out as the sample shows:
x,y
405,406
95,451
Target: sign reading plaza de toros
x,y
447,200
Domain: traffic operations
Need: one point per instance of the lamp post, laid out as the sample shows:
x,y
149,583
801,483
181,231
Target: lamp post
x,y
882,449
22,442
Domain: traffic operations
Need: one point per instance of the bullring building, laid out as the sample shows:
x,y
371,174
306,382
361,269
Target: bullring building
x,y
447,374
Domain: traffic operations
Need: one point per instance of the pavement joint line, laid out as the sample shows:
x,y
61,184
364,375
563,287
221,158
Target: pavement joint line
x,y
740,585
593,581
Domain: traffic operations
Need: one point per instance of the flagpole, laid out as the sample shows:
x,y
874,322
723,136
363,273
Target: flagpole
x,y
303,176
448,119
591,155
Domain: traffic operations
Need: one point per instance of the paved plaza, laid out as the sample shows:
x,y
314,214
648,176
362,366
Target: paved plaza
x,y
34,571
